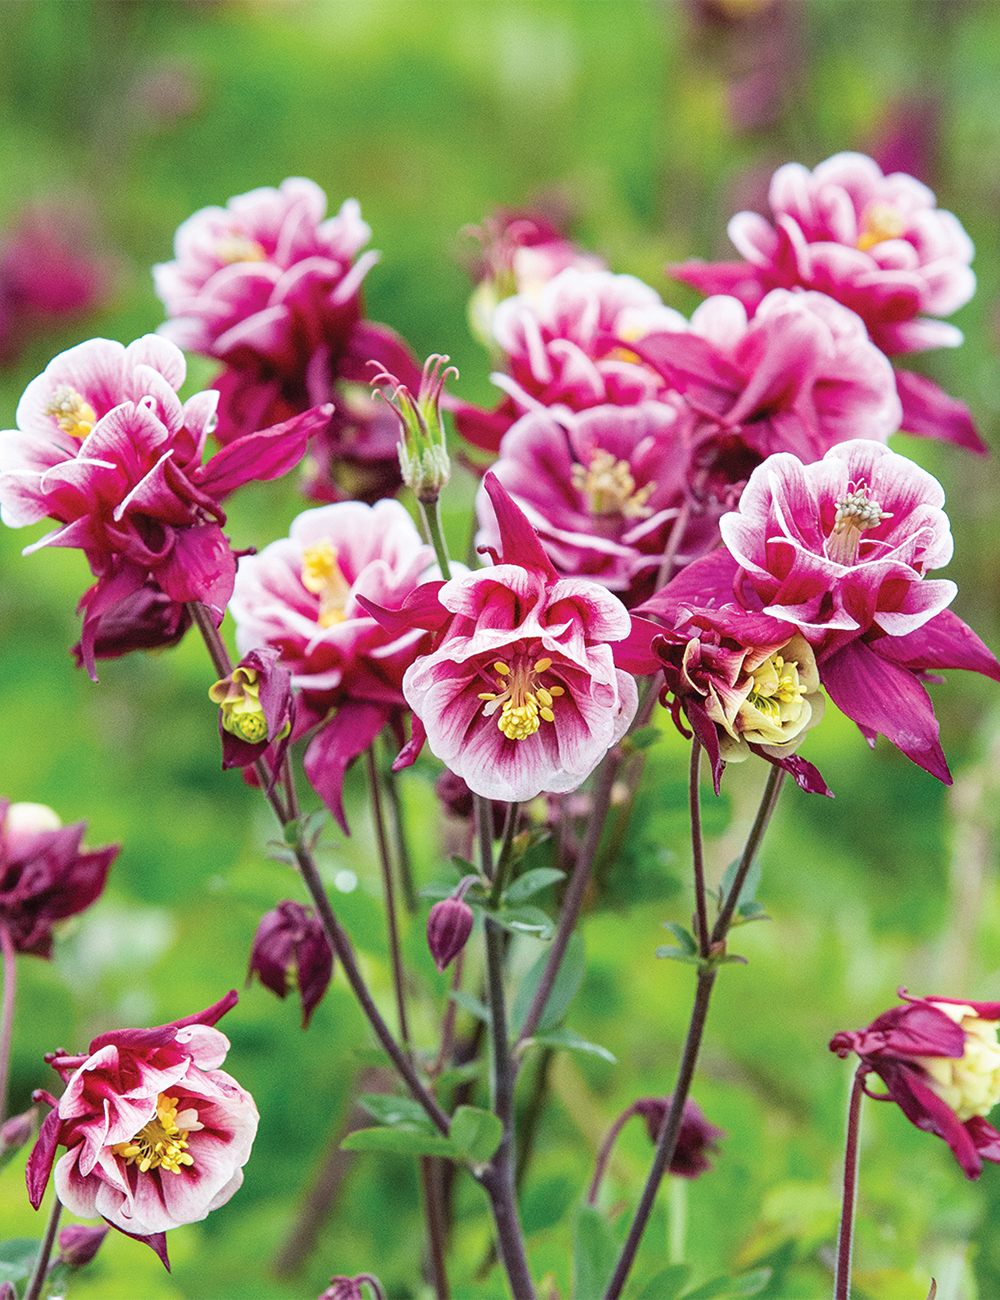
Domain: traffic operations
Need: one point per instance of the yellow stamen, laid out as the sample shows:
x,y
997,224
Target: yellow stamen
x,y
239,698
522,700
610,489
239,247
72,412
856,514
881,222
323,576
162,1143
970,1084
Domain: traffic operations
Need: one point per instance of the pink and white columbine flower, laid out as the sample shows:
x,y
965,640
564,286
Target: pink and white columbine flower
x,y
571,344
879,245
301,596
105,447
521,694
839,550
940,1062
156,1135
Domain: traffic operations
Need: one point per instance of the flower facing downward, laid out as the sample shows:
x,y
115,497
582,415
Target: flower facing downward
x,y
290,950
696,1141
521,694
449,924
156,1135
940,1062
45,875
255,708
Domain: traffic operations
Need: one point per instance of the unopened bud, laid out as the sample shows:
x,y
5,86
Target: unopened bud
x,y
696,1140
7,1291
349,1288
16,1132
423,453
448,928
78,1244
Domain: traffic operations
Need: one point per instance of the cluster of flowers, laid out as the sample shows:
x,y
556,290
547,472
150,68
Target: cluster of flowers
x,y
709,499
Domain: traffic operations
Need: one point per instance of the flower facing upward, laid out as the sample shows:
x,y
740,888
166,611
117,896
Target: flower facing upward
x,y
45,875
940,1062
156,1134
521,693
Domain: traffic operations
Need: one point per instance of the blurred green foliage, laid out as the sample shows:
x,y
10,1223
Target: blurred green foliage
x,y
432,114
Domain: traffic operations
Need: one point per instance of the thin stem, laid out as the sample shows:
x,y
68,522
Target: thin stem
x,y
767,804
667,1143
430,512
573,900
845,1241
604,1155
666,569
45,1253
398,978
6,1012
402,842
506,859
450,1013
430,1179
697,847
339,941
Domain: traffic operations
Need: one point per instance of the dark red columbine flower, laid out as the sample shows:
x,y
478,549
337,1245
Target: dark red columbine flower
x,y
291,950
45,875
256,709
696,1140
940,1062
449,925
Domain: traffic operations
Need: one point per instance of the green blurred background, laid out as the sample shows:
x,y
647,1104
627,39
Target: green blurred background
x,y
642,119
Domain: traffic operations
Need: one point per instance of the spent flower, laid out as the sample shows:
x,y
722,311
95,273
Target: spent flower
x,y
291,951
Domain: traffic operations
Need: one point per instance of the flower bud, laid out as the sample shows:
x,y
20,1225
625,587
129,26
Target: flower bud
x,y
291,950
349,1288
78,1244
695,1141
16,1132
423,452
448,928
7,1291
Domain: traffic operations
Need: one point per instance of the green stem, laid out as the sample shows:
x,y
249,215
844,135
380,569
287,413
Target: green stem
x,y
34,1289
430,512
392,929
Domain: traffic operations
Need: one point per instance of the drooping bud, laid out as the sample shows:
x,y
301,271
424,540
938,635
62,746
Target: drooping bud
x,y
256,708
7,1291
16,1133
696,1140
423,452
290,950
349,1288
449,925
78,1244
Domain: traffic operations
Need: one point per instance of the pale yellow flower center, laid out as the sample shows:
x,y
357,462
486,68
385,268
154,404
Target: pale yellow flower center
x,y
610,488
72,412
970,1085
776,710
522,700
238,247
323,576
239,698
856,514
162,1143
881,221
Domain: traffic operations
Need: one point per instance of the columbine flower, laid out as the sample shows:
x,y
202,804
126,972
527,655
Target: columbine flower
x,y
290,950
156,1135
879,245
571,344
520,694
697,1139
45,875
940,1062
839,550
255,709
301,596
104,447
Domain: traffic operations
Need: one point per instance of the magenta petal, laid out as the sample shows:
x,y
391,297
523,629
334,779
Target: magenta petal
x,y
411,750
942,642
519,541
805,774
351,731
707,582
421,608
985,1138
201,566
881,697
929,412
737,278
634,654
156,1241
266,454
43,1153
927,1111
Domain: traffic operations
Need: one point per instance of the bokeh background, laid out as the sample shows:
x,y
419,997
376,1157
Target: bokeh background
x,y
647,123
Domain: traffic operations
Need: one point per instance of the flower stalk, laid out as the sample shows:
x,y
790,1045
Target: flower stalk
x,y
34,1288
6,1012
845,1239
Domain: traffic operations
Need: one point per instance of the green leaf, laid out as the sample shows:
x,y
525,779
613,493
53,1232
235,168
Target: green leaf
x,y
524,920
545,1201
595,1253
718,1286
750,886
400,1142
644,737
677,954
475,1133
531,883
462,1074
750,1283
396,1112
437,889
471,1004
17,1258
565,989
684,937
572,1042
666,1285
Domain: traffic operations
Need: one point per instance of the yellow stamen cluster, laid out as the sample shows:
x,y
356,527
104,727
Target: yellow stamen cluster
x,y
162,1143
323,576
239,698
522,701
776,683
881,222
970,1085
856,514
610,488
238,247
72,412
